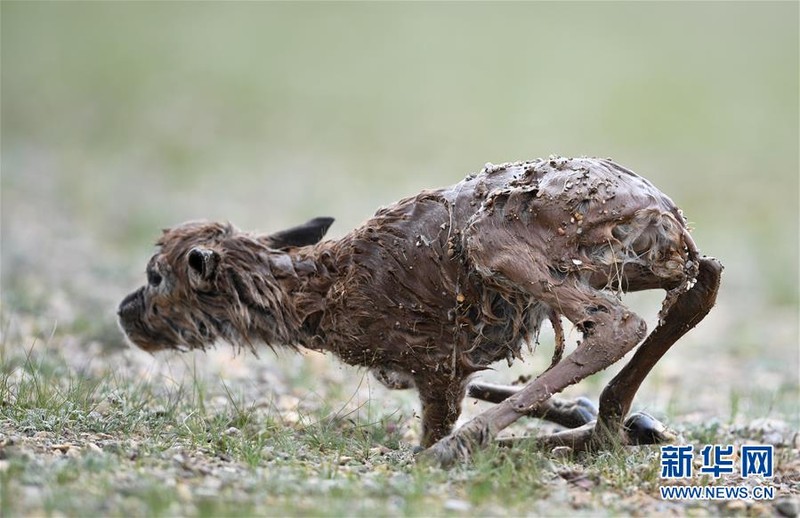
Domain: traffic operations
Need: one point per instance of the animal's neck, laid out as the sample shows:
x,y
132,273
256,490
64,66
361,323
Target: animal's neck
x,y
282,303
315,272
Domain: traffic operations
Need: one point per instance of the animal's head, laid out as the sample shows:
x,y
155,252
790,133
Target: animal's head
x,y
201,284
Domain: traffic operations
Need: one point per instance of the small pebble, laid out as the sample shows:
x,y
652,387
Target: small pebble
x,y
379,450
736,506
561,452
457,505
789,507
94,448
771,431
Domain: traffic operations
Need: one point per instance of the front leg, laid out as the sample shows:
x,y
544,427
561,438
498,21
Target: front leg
x,y
441,406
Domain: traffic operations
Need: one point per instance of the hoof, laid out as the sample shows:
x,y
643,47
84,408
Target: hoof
x,y
460,445
574,413
586,410
444,454
642,428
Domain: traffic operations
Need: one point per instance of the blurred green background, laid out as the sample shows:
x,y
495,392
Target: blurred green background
x,y
119,119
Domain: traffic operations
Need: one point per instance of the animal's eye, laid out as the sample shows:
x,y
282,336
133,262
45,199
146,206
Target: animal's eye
x,y
153,278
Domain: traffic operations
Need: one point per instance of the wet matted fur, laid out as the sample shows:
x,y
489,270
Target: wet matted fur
x,y
440,285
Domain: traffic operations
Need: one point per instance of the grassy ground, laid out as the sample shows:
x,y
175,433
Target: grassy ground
x,y
120,119
92,434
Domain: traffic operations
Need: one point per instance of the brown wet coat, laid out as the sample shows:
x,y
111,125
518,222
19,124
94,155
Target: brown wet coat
x,y
437,286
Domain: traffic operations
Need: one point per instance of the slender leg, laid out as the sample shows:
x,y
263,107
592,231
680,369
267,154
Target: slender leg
x,y
687,311
609,331
570,413
441,406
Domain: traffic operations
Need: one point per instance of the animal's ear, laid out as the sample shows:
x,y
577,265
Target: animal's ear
x,y
203,263
309,233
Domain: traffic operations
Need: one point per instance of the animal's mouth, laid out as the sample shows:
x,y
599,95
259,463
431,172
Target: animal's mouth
x,y
130,312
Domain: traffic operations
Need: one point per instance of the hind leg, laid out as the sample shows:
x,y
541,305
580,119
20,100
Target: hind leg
x,y
609,331
686,312
566,412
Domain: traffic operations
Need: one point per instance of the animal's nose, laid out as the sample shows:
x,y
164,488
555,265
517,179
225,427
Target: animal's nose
x,y
130,303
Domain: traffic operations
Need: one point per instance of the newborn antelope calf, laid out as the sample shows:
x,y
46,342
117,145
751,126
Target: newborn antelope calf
x,y
443,284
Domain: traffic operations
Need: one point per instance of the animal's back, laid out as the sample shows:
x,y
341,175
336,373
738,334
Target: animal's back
x,y
418,291
410,295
